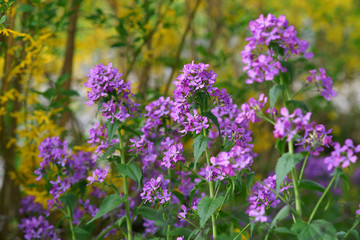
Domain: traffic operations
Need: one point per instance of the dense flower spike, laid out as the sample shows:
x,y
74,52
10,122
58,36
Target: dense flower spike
x,y
112,92
342,155
52,151
262,198
272,41
323,83
194,83
289,124
155,190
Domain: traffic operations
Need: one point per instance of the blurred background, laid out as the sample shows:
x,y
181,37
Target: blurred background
x,y
48,46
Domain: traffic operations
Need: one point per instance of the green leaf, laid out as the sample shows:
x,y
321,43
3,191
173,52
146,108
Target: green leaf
x,y
280,145
126,128
61,79
284,165
316,230
69,93
180,231
206,207
3,19
49,93
82,234
69,200
214,120
193,190
274,93
249,181
298,104
108,152
26,8
112,128
199,146
284,230
110,202
133,171
120,221
281,215
311,185
151,214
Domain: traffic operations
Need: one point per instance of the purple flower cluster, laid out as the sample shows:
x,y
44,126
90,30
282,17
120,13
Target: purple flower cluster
x,y
98,175
52,151
235,160
315,138
194,81
35,227
261,59
262,198
99,137
155,190
358,211
59,186
323,82
105,83
78,166
289,124
342,155
173,155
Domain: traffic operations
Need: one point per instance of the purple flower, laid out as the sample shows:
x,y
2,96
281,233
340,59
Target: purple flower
x,y
183,213
194,81
342,155
173,155
155,190
358,211
180,238
106,83
59,186
235,160
323,83
262,198
37,228
52,151
290,124
98,175
262,56
97,192
28,206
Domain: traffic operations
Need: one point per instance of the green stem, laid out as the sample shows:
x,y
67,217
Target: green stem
x,y
303,166
103,233
223,201
211,190
295,183
357,221
191,170
321,199
242,230
126,189
168,229
191,223
71,225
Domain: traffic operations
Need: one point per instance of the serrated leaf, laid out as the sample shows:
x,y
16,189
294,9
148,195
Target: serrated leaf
x,y
69,200
284,165
109,203
317,230
206,207
193,190
132,171
112,128
274,93
199,146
